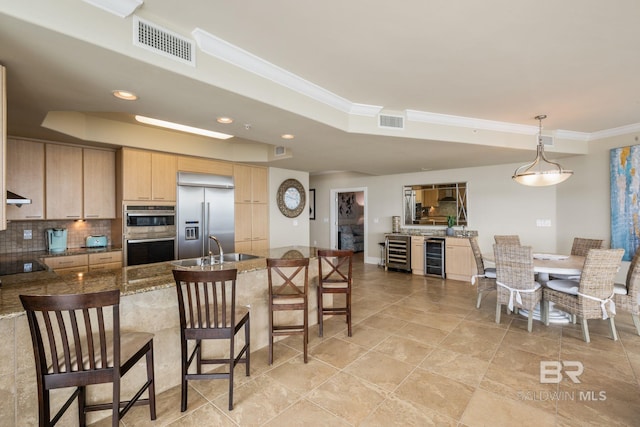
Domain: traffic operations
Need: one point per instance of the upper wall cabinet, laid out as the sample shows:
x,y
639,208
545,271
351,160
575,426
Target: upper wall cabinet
x,y
63,181
148,175
99,171
25,177
251,184
432,204
200,165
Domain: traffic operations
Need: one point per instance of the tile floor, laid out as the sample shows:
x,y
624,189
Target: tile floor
x,y
422,354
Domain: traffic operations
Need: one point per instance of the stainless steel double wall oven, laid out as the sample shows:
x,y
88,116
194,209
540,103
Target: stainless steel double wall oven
x,y
149,234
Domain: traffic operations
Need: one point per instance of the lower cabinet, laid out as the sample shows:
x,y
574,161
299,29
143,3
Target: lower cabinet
x,y
417,255
83,263
459,260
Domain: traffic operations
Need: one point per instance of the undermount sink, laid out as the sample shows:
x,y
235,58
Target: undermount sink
x,y
203,261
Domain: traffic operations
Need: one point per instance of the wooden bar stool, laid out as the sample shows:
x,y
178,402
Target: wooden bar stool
x,y
68,328
288,290
208,311
335,277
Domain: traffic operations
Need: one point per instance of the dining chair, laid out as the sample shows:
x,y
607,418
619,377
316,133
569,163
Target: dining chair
x,y
208,311
66,329
580,247
288,291
510,239
591,297
334,277
485,277
516,285
627,295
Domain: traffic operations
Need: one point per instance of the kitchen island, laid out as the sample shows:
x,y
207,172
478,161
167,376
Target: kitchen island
x,y
148,303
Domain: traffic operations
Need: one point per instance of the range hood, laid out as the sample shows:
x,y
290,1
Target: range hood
x,y
15,199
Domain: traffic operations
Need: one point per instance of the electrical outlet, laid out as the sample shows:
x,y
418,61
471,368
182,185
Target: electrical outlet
x,y
27,235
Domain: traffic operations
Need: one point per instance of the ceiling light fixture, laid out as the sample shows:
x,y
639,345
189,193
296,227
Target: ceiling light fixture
x,y
288,136
541,171
224,120
182,128
124,94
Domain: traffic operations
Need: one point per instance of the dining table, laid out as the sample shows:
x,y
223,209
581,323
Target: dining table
x,y
545,266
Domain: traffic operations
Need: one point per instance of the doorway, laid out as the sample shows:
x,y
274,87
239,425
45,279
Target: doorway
x,y
349,220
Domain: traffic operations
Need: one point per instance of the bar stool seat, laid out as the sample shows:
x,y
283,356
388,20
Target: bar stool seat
x,y
288,291
76,343
334,277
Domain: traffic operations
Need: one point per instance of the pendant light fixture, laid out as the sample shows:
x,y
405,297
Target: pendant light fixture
x,y
541,171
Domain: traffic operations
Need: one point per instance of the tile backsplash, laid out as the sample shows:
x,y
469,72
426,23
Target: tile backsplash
x,y
12,239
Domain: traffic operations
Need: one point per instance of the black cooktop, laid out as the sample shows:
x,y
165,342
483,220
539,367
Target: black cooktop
x,y
20,266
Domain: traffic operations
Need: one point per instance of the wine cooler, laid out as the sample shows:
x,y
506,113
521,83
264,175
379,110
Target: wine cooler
x,y
434,257
398,251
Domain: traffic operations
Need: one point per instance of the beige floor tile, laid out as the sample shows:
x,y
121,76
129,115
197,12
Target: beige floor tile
x,y
398,412
302,377
307,414
348,397
533,343
379,369
364,336
443,395
338,352
167,408
206,415
475,340
421,333
404,349
460,367
489,409
258,401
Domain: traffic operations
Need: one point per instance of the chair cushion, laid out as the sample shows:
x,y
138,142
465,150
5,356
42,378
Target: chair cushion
x,y
490,273
620,289
566,286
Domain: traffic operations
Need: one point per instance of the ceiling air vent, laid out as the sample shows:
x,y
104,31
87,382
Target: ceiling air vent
x,y
547,140
390,122
159,40
279,151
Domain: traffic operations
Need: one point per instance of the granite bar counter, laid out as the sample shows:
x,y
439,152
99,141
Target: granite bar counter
x,y
148,303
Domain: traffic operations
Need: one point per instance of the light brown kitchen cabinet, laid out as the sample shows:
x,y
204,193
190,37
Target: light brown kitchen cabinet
x,y
63,181
251,207
430,197
417,255
105,260
148,175
68,263
251,226
251,184
459,260
200,165
99,171
25,177
164,169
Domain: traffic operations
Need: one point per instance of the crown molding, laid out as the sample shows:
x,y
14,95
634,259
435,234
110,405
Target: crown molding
x,y
621,130
469,122
121,8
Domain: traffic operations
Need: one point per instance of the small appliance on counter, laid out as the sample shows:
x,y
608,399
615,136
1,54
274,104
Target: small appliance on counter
x,y
56,239
96,241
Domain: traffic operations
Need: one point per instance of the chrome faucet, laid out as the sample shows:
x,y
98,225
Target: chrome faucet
x,y
211,237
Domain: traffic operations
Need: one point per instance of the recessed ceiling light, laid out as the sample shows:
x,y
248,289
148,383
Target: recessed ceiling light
x,y
288,136
224,120
125,94
183,128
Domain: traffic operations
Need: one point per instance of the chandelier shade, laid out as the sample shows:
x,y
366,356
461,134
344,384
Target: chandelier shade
x,y
542,171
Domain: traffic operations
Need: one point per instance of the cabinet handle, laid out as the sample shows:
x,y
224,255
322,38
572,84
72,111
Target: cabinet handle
x,y
34,216
73,216
92,216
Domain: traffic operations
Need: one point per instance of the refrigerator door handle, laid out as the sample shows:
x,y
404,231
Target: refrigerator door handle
x,y
203,234
207,229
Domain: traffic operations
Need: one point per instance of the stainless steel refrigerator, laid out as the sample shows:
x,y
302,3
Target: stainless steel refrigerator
x,y
205,207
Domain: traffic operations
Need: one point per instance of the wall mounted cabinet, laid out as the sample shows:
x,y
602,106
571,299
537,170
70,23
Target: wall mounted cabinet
x,y
25,176
99,182
251,208
148,175
63,181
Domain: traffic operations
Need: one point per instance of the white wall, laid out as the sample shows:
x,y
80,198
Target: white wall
x,y
285,231
496,204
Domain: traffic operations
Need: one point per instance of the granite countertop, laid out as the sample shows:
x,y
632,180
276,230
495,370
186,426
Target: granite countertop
x,y
130,280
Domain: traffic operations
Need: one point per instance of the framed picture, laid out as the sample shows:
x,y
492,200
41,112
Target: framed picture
x,y
625,208
312,203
